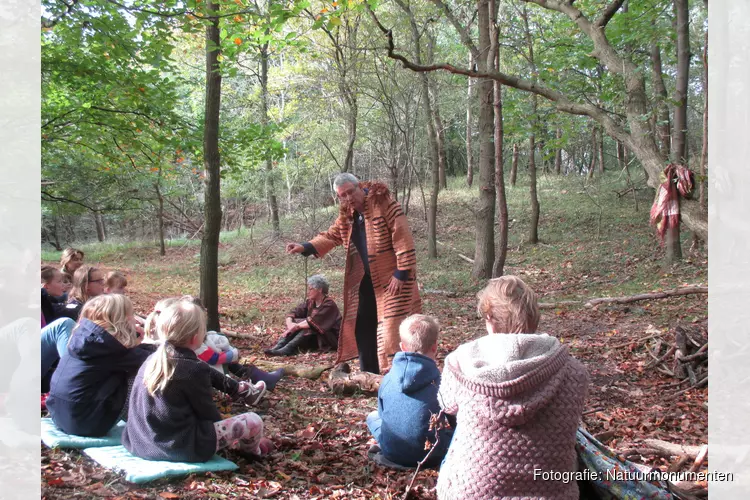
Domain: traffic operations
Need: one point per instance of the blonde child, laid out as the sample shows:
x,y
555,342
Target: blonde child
x,y
518,398
408,397
248,392
116,282
172,415
89,388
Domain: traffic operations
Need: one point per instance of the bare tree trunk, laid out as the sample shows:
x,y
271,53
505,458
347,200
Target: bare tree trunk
x,y
514,166
502,204
484,254
600,149
558,152
209,267
273,204
469,103
99,224
704,145
440,135
592,160
678,153
534,227
663,129
160,219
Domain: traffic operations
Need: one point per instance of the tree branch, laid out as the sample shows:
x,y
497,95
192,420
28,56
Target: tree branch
x,y
465,38
331,153
48,24
561,102
607,14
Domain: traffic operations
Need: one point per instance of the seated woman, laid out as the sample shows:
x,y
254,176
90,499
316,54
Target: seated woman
x,y
70,260
88,282
518,397
312,325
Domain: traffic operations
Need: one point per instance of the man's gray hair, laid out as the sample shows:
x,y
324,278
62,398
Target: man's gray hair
x,y
319,282
345,178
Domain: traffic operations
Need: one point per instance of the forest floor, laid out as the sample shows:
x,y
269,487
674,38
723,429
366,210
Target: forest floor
x,y
593,245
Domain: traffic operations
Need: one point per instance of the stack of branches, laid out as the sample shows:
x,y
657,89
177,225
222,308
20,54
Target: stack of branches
x,y
686,359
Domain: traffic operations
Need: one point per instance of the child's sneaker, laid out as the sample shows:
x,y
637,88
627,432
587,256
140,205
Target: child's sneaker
x,y
251,393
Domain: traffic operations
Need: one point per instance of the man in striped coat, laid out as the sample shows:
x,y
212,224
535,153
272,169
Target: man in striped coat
x,y
380,279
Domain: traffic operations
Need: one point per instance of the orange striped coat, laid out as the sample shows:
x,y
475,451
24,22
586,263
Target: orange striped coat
x,y
389,247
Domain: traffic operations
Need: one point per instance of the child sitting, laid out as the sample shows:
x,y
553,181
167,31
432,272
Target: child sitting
x,y
408,397
116,282
89,388
518,397
250,393
172,413
219,353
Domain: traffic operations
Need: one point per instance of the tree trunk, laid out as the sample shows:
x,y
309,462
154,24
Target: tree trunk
x,y
534,200
502,203
704,142
273,204
440,135
600,149
678,153
662,111
484,254
469,104
209,267
99,223
558,151
160,219
514,166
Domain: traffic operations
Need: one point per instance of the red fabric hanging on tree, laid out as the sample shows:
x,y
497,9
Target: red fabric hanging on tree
x,y
665,212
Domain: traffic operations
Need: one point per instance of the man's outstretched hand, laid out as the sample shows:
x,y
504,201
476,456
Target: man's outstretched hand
x,y
294,248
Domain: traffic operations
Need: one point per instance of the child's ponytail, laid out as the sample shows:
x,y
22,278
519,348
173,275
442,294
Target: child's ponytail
x,y
176,325
158,371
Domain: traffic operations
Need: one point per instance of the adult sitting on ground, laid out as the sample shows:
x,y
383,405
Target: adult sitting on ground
x,y
70,260
380,281
314,324
88,282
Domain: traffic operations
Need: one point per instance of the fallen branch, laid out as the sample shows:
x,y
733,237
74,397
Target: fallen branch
x,y
343,383
675,450
302,371
698,384
637,341
699,459
689,290
464,257
235,335
436,421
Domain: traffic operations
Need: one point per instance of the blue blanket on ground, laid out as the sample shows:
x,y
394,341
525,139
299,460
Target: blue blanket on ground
x,y
138,470
55,438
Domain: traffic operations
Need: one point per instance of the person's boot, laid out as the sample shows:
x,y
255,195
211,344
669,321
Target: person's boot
x,y
280,344
291,347
271,379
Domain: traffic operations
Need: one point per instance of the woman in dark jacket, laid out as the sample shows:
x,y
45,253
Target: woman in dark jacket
x,y
89,388
88,282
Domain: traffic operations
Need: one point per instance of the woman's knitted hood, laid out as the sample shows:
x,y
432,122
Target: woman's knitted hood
x,y
519,373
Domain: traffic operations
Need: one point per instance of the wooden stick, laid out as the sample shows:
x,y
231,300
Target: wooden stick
x,y
659,360
697,354
464,257
647,296
699,459
638,341
673,449
700,383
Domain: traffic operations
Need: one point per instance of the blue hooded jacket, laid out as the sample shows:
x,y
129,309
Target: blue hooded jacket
x,y
90,385
407,397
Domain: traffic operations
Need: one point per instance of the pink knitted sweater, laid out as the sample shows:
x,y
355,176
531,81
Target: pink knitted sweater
x,y
518,400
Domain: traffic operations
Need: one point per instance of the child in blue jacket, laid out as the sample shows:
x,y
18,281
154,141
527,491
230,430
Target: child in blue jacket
x,y
408,397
